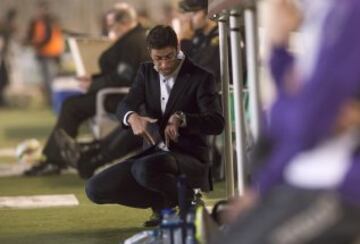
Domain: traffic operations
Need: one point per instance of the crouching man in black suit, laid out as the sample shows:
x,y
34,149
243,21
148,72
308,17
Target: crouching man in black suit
x,y
181,108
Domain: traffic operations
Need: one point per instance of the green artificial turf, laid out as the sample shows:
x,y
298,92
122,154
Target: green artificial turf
x,y
87,223
17,125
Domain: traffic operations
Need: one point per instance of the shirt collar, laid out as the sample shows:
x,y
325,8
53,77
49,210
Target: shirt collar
x,y
181,57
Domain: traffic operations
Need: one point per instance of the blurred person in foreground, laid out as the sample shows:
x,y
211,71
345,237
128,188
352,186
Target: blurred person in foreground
x,y
307,190
7,30
181,109
118,65
45,36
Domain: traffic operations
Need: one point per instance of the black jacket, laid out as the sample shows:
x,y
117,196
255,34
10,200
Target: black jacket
x,y
204,51
119,63
194,94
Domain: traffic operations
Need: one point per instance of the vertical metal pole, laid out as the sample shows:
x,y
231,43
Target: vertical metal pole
x,y
225,78
252,69
235,38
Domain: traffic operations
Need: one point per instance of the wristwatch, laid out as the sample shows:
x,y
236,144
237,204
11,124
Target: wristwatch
x,y
182,117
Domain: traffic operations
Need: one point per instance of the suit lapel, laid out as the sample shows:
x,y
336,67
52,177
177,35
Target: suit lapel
x,y
156,91
181,83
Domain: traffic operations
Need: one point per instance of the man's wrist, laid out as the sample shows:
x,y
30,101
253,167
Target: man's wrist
x,y
181,117
127,117
131,117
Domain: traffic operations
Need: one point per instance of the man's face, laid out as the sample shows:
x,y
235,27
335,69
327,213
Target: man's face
x,y
198,19
165,60
116,30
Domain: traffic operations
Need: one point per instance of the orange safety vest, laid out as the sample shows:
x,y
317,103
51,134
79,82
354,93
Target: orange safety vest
x,y
55,46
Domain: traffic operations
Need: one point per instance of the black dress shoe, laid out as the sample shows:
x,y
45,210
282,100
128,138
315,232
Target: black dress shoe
x,y
89,162
89,146
43,169
69,149
155,219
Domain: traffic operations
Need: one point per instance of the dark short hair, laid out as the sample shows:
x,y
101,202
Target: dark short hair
x,y
193,5
161,36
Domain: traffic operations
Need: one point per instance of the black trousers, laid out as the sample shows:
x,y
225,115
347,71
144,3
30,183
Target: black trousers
x,y
4,80
49,67
147,181
74,111
119,143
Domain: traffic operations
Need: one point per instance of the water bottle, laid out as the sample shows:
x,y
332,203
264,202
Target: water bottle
x,y
177,229
165,226
182,189
190,228
171,227
144,237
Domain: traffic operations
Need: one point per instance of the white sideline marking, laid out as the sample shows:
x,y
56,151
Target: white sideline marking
x,y
12,169
7,152
17,169
39,201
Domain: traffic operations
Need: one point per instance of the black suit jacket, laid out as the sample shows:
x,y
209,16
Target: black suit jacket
x,y
119,63
194,94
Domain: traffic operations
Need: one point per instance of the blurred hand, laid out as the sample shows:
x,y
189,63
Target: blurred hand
x,y
139,124
282,18
349,117
186,31
238,206
172,129
84,82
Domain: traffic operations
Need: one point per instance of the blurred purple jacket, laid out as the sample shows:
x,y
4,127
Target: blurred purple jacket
x,y
299,121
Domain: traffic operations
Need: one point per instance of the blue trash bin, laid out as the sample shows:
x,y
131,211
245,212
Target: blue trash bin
x,y
62,89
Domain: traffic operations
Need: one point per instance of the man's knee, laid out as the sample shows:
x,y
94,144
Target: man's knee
x,y
69,105
147,171
79,103
93,192
141,172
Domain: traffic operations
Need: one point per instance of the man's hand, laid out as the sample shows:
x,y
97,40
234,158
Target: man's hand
x,y
172,129
186,31
348,117
138,125
282,18
84,82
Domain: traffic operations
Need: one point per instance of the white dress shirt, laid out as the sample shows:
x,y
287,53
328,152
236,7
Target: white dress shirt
x,y
167,83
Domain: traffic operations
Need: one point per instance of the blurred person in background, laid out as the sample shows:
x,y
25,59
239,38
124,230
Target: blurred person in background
x,y
168,13
7,30
118,65
199,39
307,190
119,144
46,37
144,19
106,21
